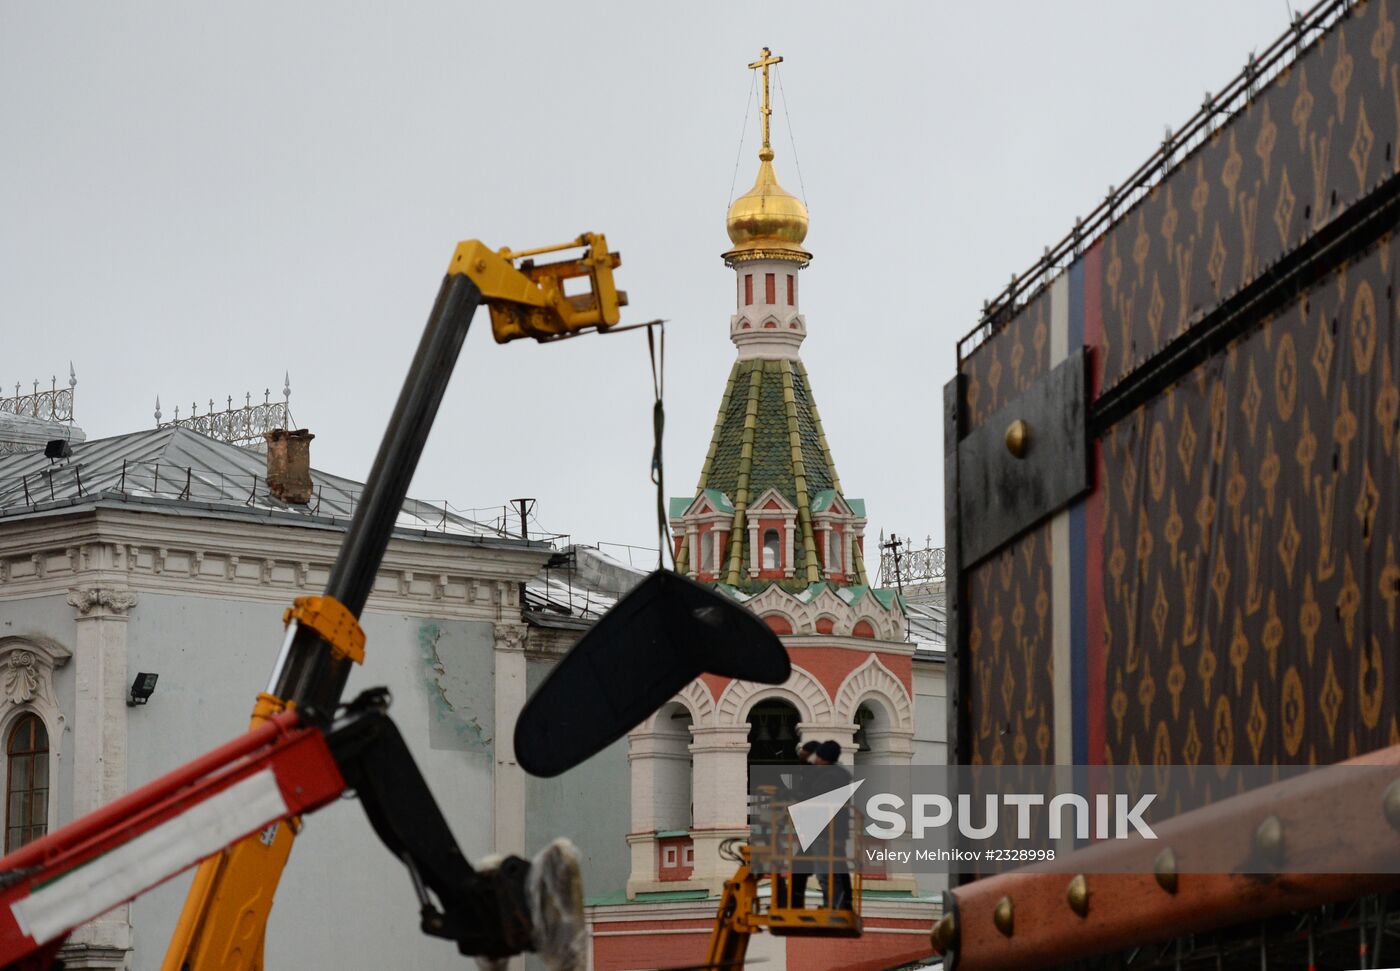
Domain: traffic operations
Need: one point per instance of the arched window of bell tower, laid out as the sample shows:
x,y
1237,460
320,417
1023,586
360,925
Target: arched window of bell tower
x,y
773,733
875,723
671,786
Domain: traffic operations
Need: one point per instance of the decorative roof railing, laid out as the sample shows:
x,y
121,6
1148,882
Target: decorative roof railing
x,y
904,566
51,404
243,425
918,575
1215,110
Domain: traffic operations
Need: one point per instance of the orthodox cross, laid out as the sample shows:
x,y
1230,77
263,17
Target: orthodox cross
x,y
765,60
893,546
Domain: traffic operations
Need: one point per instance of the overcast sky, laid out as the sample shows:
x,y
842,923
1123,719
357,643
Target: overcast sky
x,y
195,199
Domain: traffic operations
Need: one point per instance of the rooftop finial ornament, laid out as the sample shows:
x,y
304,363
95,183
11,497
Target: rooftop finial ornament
x,y
767,222
765,60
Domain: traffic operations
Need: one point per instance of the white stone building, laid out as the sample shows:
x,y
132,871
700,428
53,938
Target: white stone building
x,y
162,552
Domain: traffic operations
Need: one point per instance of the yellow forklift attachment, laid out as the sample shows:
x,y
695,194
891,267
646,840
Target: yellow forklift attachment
x,y
530,300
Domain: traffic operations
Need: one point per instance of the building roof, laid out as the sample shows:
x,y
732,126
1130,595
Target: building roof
x,y
577,587
824,500
928,626
25,433
174,470
926,613
768,435
177,465
849,594
680,505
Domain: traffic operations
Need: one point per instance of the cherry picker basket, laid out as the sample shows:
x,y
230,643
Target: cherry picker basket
x,y
830,859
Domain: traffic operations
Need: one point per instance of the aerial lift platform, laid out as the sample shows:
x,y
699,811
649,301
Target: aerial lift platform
x,y
238,807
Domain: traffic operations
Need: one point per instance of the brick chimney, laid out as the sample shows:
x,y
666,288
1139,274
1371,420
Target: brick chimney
x,y
289,464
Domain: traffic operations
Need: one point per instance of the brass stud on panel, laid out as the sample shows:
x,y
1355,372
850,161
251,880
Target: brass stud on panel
x,y
1077,895
943,933
1018,438
1268,841
1390,804
1004,917
1164,869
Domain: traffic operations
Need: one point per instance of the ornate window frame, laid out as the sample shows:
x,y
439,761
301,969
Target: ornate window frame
x,y
838,519
27,666
771,511
703,523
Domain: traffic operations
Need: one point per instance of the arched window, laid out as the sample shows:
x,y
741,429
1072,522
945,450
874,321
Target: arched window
x,y
773,733
771,549
673,768
873,736
837,563
707,551
27,788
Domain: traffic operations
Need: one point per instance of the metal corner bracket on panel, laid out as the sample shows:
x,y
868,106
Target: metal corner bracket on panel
x,y
1025,462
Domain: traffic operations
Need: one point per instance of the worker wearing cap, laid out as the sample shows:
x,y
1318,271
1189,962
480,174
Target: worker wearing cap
x,y
805,755
834,875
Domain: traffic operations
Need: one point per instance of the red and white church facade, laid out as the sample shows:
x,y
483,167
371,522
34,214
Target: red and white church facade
x,y
770,525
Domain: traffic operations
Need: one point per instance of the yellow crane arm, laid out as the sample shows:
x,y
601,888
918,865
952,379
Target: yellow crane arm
x,y
223,924
224,920
729,941
530,300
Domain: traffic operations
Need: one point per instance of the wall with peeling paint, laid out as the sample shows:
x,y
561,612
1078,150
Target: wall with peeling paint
x,y
455,665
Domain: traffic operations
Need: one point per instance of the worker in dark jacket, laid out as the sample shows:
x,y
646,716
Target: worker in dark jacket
x,y
834,874
805,755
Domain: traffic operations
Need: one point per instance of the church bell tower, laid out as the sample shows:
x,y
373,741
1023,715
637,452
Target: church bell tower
x,y
770,526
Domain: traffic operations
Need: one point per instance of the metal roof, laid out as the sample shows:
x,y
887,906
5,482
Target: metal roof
x,y
768,435
24,433
175,464
176,471
577,587
928,626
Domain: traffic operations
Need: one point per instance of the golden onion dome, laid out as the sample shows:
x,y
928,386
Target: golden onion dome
x,y
767,222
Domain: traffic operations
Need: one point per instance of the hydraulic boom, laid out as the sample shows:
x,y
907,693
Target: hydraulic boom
x,y
243,802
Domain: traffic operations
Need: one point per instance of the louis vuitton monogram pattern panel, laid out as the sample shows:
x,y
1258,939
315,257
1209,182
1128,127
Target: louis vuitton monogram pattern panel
x,y
1008,680
1319,137
1007,363
1252,542
1008,651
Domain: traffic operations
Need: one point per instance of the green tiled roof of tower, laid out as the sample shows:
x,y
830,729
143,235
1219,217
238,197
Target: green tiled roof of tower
x,y
886,595
768,435
823,500
679,504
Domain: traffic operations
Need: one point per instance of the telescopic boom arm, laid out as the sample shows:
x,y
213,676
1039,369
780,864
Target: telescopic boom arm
x,y
310,672
297,755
